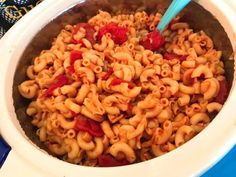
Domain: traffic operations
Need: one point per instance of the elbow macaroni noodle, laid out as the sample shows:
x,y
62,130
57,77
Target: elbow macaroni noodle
x,y
145,103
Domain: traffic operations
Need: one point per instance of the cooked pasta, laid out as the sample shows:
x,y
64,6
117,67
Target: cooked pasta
x,y
114,91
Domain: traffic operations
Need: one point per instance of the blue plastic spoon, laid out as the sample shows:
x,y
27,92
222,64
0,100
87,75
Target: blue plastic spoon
x,y
175,7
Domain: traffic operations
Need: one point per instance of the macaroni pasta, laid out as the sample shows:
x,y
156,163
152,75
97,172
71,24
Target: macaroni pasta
x,y
113,91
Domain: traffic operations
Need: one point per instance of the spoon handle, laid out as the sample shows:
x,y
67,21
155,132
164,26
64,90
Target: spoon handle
x,y
175,7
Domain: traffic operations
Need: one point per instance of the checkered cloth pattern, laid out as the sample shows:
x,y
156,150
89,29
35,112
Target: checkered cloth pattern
x,y
12,10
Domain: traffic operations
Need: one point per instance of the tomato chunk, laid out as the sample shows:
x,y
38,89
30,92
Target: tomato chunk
x,y
60,81
172,22
152,41
85,124
171,56
129,109
89,32
109,161
223,92
117,81
70,69
108,74
73,113
74,55
118,34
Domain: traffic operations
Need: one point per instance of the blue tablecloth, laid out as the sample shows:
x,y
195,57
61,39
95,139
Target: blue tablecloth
x,y
225,168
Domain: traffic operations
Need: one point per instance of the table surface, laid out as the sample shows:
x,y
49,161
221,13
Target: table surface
x,y
226,167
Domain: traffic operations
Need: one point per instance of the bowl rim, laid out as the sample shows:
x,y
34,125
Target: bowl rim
x,y
176,159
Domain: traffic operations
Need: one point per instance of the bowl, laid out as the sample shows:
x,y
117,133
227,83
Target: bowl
x,y
37,30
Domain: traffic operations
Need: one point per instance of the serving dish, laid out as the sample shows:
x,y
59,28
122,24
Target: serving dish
x,y
201,146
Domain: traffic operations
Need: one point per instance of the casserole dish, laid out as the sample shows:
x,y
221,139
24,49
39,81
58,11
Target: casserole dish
x,y
190,159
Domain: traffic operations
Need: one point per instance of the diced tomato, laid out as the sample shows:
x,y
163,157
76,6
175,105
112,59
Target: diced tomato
x,y
85,124
89,32
137,82
182,57
73,113
118,34
131,85
109,161
105,29
171,23
153,41
77,42
223,92
75,55
108,74
117,81
70,69
129,109
60,81
73,41
106,57
171,56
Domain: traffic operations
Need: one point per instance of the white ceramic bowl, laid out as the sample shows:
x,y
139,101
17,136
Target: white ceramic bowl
x,y
191,159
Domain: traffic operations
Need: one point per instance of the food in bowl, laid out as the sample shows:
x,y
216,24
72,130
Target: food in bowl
x,y
114,91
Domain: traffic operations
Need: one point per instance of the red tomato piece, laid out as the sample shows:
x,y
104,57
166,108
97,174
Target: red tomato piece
x,y
109,161
73,41
71,69
152,41
108,74
89,32
131,85
171,56
75,55
106,29
119,81
77,42
182,57
118,34
85,124
73,113
223,92
60,81
129,109
171,23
